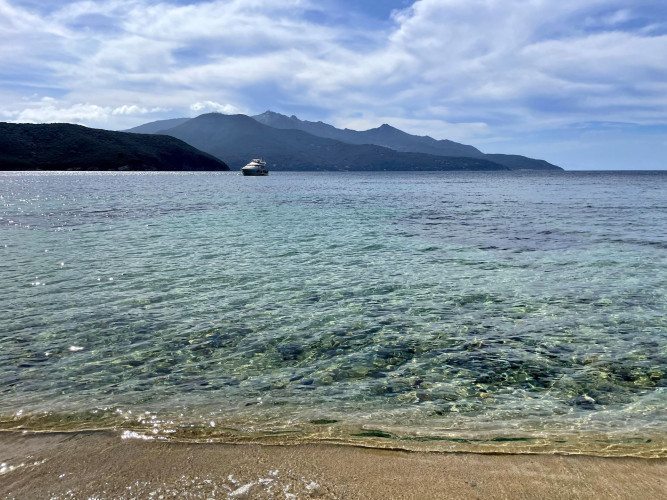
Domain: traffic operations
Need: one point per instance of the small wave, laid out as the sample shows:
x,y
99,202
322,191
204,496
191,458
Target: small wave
x,y
332,431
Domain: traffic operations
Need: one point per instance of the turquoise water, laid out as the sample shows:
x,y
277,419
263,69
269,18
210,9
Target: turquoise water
x,y
449,311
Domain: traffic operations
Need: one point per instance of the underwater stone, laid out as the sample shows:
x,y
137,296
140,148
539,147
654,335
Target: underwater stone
x,y
290,352
584,402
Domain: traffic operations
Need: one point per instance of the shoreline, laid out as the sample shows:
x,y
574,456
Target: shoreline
x,y
101,464
381,437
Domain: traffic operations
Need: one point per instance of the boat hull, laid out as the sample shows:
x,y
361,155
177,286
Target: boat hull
x,y
254,173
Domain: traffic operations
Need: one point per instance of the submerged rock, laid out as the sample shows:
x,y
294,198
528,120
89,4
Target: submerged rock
x,y
290,352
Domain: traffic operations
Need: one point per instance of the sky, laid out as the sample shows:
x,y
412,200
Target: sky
x,y
582,84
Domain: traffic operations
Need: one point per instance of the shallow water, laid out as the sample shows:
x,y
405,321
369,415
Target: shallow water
x,y
467,311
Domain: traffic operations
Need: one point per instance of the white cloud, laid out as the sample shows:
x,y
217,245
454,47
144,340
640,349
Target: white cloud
x,y
134,110
462,69
210,106
526,61
50,110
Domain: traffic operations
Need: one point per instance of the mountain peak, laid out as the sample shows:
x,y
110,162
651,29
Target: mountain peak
x,y
278,120
268,112
385,127
239,118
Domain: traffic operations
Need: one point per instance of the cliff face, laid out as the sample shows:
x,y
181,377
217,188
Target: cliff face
x,y
62,146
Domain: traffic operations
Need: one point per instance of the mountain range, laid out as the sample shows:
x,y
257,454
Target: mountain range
x,y
393,138
63,146
385,135
289,143
238,138
202,143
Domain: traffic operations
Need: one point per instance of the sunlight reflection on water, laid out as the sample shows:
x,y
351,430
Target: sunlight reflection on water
x,y
390,306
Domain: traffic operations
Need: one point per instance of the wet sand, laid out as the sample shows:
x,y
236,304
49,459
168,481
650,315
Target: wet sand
x,y
102,465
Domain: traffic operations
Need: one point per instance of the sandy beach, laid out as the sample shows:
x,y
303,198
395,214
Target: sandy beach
x,y
104,465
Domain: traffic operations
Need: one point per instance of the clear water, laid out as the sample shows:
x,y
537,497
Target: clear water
x,y
449,311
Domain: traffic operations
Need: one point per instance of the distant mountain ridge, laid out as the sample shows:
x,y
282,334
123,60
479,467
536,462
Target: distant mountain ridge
x,y
63,146
384,135
238,138
396,139
274,145
518,162
156,126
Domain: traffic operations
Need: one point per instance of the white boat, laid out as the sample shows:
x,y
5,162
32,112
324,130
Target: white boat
x,y
255,167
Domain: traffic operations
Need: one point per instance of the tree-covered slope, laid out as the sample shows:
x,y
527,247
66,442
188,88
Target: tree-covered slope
x,y
62,146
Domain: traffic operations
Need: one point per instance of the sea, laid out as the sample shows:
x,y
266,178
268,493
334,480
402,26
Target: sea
x,y
493,312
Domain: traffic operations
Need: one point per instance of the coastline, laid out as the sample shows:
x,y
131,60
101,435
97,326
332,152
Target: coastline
x,y
103,465
243,430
